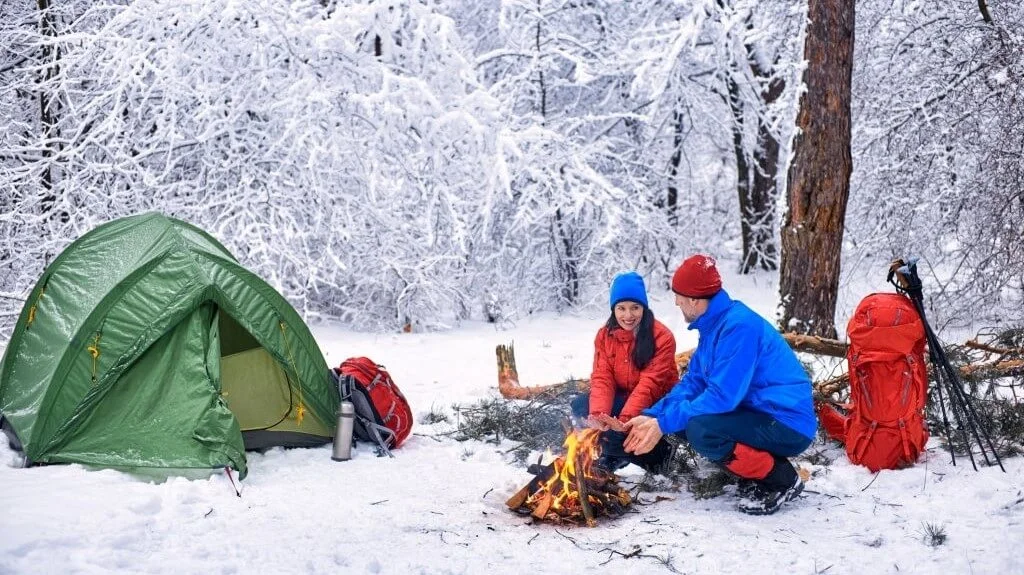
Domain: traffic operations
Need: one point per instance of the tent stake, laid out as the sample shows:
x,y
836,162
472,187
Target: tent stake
x,y
227,470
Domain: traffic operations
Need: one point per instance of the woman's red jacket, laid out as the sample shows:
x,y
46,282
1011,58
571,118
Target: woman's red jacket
x,y
614,371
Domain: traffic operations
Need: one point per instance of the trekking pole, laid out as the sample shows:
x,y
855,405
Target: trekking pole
x,y
954,400
942,380
971,413
936,356
963,401
904,287
960,404
909,284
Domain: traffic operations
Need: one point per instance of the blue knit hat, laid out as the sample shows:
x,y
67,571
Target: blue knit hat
x,y
628,286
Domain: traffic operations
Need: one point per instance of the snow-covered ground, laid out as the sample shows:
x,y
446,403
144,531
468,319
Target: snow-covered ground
x,y
438,506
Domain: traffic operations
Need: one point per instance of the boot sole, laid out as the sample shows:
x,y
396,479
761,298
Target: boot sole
x,y
790,494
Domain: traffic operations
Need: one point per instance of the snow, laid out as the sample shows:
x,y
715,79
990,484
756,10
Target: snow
x,y
438,505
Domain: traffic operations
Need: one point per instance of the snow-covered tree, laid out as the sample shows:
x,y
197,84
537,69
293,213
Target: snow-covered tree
x,y
394,163
347,178
939,129
580,207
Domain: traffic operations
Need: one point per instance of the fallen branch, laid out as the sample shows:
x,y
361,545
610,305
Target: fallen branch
x,y
508,376
1011,368
975,344
509,387
831,386
816,345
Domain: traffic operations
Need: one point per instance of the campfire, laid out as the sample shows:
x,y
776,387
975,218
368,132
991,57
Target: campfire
x,y
571,489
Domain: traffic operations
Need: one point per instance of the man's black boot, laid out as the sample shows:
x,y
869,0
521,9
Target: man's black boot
x,y
746,487
782,484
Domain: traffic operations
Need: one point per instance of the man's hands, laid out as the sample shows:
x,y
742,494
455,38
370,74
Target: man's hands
x,y
644,434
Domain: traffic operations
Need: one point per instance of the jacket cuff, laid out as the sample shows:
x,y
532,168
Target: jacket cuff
x,y
668,427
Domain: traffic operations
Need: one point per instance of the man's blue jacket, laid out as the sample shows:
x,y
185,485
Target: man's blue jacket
x,y
741,362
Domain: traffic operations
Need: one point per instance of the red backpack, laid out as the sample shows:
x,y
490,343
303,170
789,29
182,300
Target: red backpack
x,y
383,415
885,426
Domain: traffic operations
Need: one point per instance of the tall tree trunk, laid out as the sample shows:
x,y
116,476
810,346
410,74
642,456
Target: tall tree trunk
x,y
542,88
562,230
819,177
760,209
755,184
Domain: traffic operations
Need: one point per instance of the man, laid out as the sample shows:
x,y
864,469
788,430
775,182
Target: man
x,y
744,401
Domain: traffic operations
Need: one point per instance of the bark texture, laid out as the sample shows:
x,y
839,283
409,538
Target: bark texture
x,y
819,177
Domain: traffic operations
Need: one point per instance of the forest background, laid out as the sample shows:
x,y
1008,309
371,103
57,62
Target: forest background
x,y
410,164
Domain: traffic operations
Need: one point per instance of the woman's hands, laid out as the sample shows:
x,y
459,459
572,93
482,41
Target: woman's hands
x,y
604,422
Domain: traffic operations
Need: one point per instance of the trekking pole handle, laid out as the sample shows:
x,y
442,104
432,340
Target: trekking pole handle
x,y
898,270
905,274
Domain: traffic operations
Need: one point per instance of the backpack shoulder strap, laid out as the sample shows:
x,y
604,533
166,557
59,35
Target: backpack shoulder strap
x,y
372,431
379,434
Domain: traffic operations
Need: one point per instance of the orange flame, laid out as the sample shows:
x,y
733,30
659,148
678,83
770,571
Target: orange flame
x,y
581,446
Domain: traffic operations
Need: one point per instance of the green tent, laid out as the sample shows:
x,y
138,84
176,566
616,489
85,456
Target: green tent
x,y
146,346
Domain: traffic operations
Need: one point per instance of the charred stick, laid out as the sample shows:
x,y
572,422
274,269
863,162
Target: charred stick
x,y
581,486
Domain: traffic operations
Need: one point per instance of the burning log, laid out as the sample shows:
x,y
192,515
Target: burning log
x,y
518,500
584,494
571,489
542,505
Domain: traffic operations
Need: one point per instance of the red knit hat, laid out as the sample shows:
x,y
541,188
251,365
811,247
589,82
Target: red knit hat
x,y
697,277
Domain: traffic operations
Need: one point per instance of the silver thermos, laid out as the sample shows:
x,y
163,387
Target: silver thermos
x,y
343,435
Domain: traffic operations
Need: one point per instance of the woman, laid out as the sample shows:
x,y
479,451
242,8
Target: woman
x,y
634,367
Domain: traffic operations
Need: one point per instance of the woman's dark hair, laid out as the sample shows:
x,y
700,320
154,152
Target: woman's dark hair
x,y
643,349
